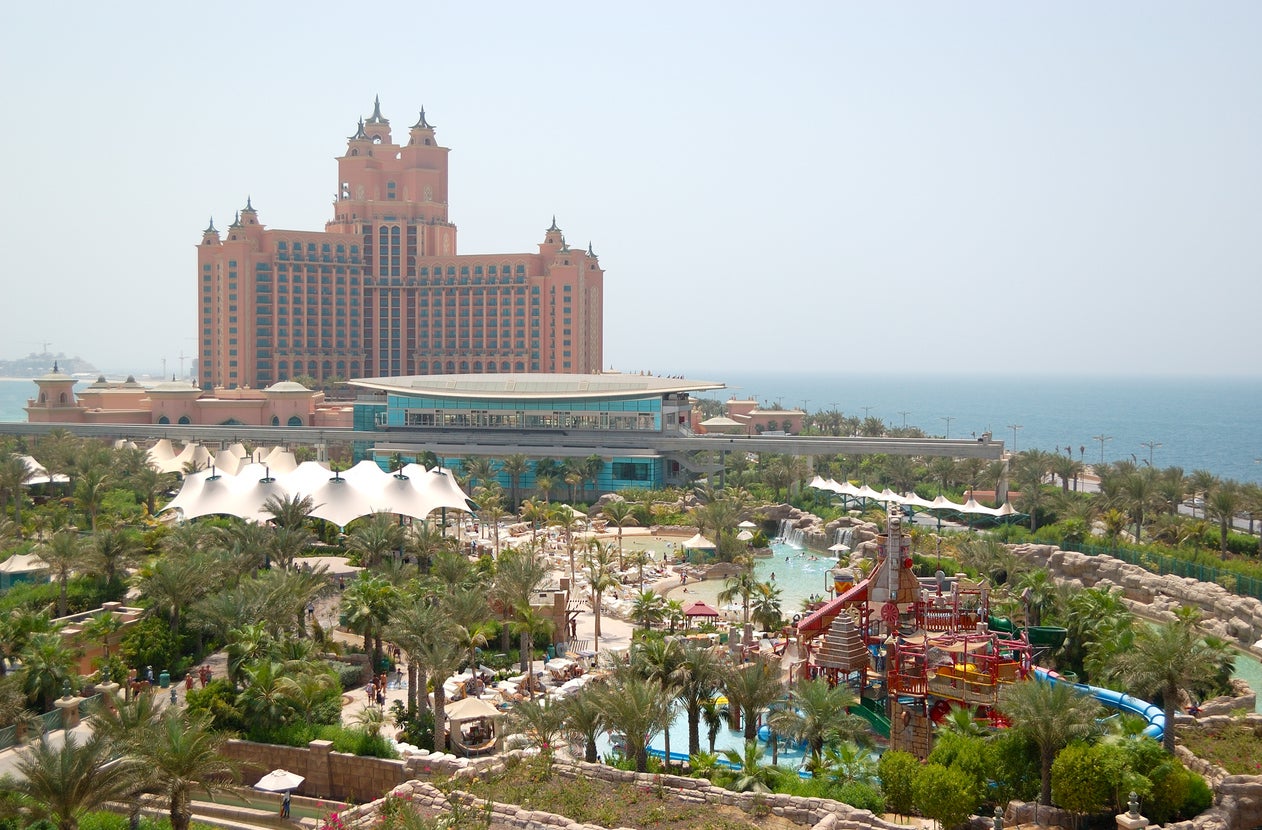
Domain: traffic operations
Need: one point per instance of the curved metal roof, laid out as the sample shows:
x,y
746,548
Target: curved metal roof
x,y
518,386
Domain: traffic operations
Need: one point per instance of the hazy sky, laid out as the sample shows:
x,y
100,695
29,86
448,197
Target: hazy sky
x,y
1050,187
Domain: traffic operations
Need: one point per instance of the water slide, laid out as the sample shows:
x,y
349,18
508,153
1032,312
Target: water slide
x,y
869,710
1117,700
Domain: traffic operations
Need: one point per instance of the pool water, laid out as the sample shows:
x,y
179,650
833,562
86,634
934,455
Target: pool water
x,y
799,574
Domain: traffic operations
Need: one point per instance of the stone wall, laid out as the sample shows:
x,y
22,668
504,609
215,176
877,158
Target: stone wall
x,y
816,813
1224,614
337,775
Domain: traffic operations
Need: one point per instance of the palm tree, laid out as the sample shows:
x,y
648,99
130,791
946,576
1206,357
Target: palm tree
x,y
264,699
1222,505
64,554
110,553
543,722
530,622
171,584
424,542
750,688
16,628
1166,660
713,715
289,511
740,586
598,562
519,574
410,627
662,662
65,782
147,483
618,511
751,774
700,676
1052,714
569,522
101,629
375,537
183,755
47,664
94,482
515,466
637,710
583,720
14,475
535,512
1201,482
467,609
818,713
441,657
646,608
367,604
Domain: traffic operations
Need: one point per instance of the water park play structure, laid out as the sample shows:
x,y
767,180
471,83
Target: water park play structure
x,y
915,648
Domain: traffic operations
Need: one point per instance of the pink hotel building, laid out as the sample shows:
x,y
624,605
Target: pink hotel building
x,y
382,290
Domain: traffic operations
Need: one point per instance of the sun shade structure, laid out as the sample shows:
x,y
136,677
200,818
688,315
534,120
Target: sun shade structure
x,y
279,780
700,609
337,497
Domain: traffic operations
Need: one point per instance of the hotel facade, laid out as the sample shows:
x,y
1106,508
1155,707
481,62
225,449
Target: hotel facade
x,y
382,290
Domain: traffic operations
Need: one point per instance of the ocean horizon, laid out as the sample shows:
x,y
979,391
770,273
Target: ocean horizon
x,y
1194,423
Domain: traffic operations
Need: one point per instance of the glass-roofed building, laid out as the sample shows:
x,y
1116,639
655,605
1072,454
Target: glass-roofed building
x,y
613,416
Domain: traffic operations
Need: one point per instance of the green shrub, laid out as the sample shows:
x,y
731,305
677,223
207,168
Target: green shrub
x,y
1083,778
151,643
945,795
350,676
898,771
365,742
862,795
219,699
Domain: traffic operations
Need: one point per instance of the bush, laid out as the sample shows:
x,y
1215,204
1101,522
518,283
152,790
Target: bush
x,y
151,643
944,795
898,771
219,699
862,795
365,742
1084,778
349,675
416,729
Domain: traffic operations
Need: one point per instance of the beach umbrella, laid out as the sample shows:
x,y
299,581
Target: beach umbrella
x,y
839,548
747,525
279,780
744,536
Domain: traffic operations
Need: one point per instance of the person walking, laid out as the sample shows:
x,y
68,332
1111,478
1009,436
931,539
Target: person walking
x,y
284,805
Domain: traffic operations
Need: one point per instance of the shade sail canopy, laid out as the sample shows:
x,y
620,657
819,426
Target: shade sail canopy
x,y
337,497
698,542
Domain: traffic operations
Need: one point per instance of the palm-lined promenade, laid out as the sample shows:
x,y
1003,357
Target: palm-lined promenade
x,y
471,606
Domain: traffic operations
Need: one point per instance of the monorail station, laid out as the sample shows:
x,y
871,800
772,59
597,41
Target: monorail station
x,y
615,416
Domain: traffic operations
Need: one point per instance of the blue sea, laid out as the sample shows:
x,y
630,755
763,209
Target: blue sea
x,y
1210,424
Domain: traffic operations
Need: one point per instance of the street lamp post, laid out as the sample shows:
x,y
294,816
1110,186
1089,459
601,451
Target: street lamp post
x,y
904,413
1014,428
1101,438
948,419
1151,445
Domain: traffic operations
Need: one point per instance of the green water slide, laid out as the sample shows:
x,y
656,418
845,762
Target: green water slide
x,y
1042,636
874,714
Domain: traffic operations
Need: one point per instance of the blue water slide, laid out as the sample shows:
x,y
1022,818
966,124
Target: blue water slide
x,y
1150,712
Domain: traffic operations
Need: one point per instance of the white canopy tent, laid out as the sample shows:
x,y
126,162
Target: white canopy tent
x,y
338,498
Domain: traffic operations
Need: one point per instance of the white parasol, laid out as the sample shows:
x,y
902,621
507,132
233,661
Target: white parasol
x,y
279,780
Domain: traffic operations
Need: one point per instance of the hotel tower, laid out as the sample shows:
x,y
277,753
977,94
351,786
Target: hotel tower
x,y
383,291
